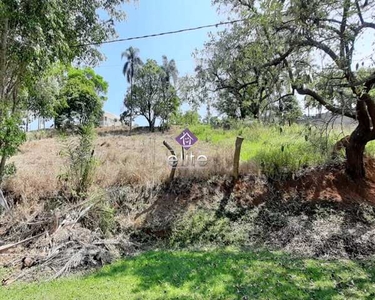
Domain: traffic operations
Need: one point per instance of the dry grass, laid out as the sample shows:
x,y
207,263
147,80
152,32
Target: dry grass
x,y
137,159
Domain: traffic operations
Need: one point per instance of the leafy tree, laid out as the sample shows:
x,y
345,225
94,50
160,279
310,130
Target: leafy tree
x,y
168,92
225,69
150,98
42,97
289,110
81,98
170,70
287,36
189,117
33,35
133,62
195,90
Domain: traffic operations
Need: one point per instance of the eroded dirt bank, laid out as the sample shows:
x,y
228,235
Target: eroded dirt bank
x,y
320,213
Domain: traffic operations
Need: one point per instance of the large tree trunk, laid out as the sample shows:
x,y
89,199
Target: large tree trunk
x,y
151,126
364,133
355,150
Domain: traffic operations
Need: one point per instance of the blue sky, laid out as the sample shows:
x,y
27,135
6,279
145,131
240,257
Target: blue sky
x,y
154,16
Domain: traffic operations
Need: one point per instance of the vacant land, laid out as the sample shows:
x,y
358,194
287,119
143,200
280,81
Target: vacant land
x,y
291,197
212,275
140,159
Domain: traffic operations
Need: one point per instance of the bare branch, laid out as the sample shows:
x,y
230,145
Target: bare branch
x,y
279,59
359,11
320,99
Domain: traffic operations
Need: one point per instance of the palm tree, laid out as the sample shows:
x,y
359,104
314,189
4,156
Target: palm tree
x,y
130,67
170,72
170,69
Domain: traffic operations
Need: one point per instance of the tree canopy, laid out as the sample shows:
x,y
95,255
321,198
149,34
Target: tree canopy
x,y
284,48
35,34
151,96
81,98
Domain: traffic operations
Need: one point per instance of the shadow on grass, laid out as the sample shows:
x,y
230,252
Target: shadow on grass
x,y
243,275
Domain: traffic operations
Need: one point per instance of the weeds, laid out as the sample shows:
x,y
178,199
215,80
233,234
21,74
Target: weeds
x,y
279,151
203,227
80,163
101,215
140,159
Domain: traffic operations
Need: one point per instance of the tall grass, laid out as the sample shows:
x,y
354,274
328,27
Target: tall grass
x,y
277,150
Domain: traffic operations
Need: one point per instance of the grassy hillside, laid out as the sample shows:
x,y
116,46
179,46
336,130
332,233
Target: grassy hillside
x,y
130,209
141,157
275,149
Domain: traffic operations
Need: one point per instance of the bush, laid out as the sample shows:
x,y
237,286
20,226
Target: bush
x,y
80,163
280,162
101,214
204,227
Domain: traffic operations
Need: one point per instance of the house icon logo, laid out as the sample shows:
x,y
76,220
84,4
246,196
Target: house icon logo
x,y
186,139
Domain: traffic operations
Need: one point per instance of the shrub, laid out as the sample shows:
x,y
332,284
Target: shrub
x,y
204,227
101,214
80,163
280,162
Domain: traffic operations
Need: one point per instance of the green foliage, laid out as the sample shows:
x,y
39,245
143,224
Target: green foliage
x,y
289,110
11,134
80,163
82,98
50,34
101,215
280,162
34,36
189,117
43,96
11,137
278,151
151,96
203,227
9,170
106,218
220,274
132,63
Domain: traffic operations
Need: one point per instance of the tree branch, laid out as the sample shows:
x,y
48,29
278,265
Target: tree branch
x,y
279,59
320,99
359,11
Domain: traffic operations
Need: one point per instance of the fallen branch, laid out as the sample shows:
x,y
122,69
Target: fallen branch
x,y
3,201
10,246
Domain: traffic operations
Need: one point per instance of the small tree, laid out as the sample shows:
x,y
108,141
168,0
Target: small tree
x,y
189,117
149,98
82,98
289,110
129,70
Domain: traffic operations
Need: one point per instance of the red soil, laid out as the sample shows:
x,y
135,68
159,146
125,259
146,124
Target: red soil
x,y
332,183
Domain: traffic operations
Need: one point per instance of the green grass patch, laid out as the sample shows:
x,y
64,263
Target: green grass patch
x,y
212,275
276,149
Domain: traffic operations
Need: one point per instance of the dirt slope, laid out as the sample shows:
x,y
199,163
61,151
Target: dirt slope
x,y
331,183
